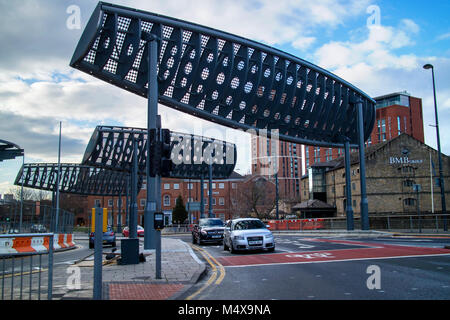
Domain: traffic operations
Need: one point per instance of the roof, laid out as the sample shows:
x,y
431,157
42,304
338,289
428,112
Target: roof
x,y
312,204
354,156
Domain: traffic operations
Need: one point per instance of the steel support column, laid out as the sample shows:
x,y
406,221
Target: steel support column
x,y
153,203
134,177
348,189
210,209
202,197
362,169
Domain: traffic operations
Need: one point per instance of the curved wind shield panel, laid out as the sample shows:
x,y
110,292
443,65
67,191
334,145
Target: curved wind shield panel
x,y
9,150
112,148
75,179
222,78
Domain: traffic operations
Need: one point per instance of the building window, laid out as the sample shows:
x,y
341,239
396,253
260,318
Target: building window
x,y
143,203
221,185
233,185
408,183
409,202
213,201
398,125
190,186
176,186
97,203
166,200
119,202
166,186
406,169
381,130
110,202
221,201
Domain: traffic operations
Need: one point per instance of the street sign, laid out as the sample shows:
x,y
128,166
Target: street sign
x,y
193,206
105,219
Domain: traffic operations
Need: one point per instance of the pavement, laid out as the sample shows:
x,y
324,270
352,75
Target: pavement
x,y
180,270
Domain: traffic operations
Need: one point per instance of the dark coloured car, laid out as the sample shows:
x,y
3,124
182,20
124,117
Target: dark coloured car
x,y
38,228
109,237
208,230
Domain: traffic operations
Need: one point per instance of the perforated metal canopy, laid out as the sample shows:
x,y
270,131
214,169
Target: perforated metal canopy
x,y
112,148
222,78
75,178
9,150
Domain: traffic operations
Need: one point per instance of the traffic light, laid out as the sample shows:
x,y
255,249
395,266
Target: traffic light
x,y
160,153
166,152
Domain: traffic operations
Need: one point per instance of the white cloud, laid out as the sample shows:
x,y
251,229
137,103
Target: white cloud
x,y
303,43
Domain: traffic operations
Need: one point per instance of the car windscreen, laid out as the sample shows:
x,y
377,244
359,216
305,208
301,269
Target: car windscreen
x,y
211,223
249,224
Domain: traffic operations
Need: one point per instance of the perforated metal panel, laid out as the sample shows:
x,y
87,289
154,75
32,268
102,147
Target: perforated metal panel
x,y
221,77
112,148
75,178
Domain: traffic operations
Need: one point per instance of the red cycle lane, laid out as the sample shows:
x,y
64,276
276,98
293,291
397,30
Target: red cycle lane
x,y
367,251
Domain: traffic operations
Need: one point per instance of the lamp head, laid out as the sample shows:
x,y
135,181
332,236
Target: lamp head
x,y
428,66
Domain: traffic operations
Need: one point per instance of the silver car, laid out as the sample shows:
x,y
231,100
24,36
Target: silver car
x,y
247,234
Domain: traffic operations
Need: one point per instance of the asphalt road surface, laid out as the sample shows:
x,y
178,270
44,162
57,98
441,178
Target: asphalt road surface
x,y
325,268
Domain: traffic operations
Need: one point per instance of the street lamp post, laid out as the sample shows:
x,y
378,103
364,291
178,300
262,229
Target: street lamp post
x,y
441,178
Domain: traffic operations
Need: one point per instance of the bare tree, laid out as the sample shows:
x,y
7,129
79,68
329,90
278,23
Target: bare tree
x,y
256,197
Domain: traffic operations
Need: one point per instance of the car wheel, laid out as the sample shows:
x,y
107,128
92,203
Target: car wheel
x,y
271,249
232,250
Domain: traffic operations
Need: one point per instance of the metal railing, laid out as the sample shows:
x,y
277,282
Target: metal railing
x,y
34,218
403,222
22,276
396,223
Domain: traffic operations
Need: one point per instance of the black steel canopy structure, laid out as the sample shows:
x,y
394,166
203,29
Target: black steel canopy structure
x,y
222,78
9,150
112,148
75,179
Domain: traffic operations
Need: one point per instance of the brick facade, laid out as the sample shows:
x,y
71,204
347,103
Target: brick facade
x,y
389,178
225,195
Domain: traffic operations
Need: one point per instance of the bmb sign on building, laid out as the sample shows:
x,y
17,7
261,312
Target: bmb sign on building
x,y
393,168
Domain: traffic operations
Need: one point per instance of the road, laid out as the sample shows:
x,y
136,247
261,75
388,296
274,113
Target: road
x,y
309,268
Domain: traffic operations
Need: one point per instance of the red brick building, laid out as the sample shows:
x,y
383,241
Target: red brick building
x,y
275,156
224,199
396,113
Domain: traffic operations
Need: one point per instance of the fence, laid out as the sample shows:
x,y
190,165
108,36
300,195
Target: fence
x,y
408,223
25,273
35,218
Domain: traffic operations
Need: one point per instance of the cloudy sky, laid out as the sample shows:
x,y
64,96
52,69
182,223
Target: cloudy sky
x,y
379,46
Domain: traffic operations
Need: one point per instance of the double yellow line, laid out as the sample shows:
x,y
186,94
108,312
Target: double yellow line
x,y
217,274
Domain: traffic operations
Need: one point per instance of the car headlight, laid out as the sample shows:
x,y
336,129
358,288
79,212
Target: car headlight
x,y
268,236
204,232
238,238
